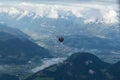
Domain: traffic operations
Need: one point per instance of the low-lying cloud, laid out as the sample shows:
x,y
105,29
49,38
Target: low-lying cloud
x,y
48,62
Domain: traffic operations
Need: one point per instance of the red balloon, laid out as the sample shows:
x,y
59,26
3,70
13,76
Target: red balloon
x,y
61,39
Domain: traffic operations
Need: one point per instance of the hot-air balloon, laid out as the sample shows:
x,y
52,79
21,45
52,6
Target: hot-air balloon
x,y
61,39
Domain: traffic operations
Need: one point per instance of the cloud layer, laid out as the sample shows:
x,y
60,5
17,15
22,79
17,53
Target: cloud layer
x,y
103,13
47,63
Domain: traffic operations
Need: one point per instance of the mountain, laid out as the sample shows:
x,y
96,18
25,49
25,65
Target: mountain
x,y
13,31
15,50
114,71
92,42
79,66
8,77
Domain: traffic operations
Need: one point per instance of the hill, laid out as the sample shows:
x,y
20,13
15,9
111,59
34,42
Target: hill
x,y
79,66
8,77
15,50
13,31
92,42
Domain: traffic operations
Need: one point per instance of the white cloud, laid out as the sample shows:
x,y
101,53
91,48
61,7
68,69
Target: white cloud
x,y
88,62
90,12
10,10
91,71
3,10
53,11
92,20
24,13
13,11
110,16
53,14
26,4
47,63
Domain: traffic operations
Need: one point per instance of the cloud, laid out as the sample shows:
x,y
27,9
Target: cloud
x,y
24,13
9,10
89,21
103,13
13,11
110,16
111,1
47,63
53,14
92,72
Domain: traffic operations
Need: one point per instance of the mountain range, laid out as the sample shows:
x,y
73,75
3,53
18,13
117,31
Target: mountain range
x,y
92,42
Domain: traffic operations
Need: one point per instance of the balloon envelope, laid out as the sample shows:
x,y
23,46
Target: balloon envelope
x,y
61,39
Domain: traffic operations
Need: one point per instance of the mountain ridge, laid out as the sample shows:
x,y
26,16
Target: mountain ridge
x,y
77,67
17,50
